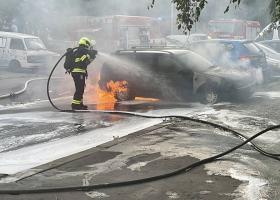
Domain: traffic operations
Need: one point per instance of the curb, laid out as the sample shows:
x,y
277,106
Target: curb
x,y
53,164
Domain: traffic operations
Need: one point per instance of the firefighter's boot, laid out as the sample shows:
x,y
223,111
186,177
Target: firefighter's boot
x,y
76,106
84,107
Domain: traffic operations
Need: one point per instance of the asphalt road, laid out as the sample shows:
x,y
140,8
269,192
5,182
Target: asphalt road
x,y
30,127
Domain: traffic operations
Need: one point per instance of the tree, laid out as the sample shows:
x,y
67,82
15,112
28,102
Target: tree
x,y
190,10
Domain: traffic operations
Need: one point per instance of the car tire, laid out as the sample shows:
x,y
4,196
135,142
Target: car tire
x,y
125,95
209,95
14,66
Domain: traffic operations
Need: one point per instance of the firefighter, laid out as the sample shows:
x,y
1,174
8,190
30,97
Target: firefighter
x,y
82,58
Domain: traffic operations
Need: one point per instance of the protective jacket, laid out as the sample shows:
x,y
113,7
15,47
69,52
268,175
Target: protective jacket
x,y
82,57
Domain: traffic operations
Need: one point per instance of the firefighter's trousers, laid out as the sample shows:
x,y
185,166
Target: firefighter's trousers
x,y
80,84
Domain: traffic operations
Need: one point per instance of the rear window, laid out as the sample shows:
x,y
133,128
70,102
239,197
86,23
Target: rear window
x,y
251,47
195,62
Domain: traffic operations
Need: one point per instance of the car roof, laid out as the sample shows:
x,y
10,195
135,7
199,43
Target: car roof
x,y
220,40
270,41
16,35
158,51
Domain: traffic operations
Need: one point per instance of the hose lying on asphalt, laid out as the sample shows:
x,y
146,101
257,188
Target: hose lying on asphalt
x,y
13,94
154,178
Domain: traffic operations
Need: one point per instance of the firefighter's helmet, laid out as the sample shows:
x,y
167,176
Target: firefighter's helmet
x,y
84,41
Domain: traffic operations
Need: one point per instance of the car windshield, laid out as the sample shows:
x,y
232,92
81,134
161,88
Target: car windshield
x,y
266,49
196,62
34,44
221,27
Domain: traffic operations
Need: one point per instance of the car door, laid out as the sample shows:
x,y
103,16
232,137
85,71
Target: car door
x,y
144,72
176,80
3,51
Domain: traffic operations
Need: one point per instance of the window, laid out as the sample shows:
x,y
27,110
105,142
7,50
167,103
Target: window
x,y
34,44
238,28
168,65
251,47
146,60
221,27
3,42
17,44
229,46
195,62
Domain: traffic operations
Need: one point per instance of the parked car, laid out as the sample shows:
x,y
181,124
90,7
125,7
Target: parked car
x,y
164,73
274,44
22,51
233,54
273,61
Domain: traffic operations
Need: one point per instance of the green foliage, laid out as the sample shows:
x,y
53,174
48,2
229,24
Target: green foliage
x,y
274,10
190,10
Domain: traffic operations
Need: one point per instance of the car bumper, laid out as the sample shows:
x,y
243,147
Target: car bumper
x,y
33,65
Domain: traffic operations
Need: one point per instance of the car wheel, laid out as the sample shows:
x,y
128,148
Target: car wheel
x,y
14,66
209,95
124,92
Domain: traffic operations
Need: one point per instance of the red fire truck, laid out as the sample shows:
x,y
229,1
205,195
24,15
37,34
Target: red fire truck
x,y
117,32
233,29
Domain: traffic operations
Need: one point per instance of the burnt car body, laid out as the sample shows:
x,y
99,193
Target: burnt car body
x,y
233,54
169,73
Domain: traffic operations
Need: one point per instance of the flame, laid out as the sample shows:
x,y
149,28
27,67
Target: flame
x,y
145,99
113,87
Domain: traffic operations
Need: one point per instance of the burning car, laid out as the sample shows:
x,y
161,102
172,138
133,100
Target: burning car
x,y
171,73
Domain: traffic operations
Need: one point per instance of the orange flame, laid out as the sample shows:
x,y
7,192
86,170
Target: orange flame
x,y
113,87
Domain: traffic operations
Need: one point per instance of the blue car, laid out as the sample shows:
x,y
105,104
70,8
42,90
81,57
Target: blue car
x,y
233,54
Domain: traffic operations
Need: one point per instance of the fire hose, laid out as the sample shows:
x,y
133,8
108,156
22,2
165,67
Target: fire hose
x,y
245,139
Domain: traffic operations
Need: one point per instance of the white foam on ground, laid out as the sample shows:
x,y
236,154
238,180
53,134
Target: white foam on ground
x,y
252,185
16,161
272,95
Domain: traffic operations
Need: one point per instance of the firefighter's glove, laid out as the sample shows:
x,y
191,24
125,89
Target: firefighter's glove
x,y
94,52
68,71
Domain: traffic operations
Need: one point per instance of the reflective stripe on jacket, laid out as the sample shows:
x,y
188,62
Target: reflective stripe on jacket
x,y
82,59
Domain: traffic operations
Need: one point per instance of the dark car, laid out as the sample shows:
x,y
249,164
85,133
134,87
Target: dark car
x,y
273,61
233,54
172,73
274,44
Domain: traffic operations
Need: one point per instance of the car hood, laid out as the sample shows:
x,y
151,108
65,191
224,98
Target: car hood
x,y
239,78
231,74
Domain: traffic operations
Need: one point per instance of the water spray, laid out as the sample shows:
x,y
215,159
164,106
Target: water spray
x,y
245,139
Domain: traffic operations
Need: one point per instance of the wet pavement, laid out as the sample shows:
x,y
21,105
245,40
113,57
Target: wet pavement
x,y
41,147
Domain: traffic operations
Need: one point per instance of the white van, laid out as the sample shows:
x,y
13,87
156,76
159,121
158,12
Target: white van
x,y
18,50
